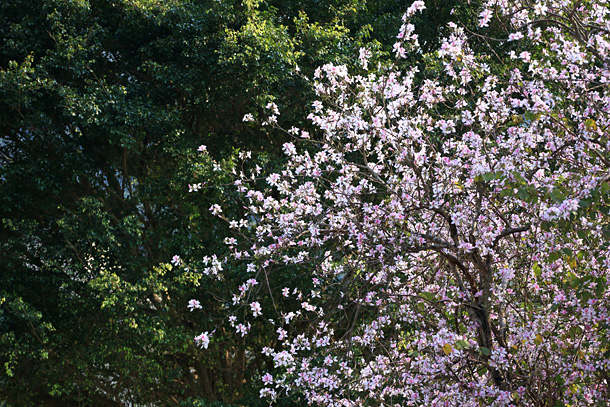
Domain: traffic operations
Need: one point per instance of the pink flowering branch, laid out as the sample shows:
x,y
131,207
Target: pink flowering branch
x,y
443,241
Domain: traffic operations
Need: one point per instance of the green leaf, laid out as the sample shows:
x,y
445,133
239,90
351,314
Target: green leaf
x,y
507,192
537,270
573,280
575,332
590,125
530,116
523,194
600,288
557,196
488,176
553,256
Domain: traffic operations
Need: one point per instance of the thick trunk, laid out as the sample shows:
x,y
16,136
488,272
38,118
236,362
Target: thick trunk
x,y
240,365
480,312
205,381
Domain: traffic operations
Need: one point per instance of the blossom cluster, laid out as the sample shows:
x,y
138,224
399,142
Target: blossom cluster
x,y
454,230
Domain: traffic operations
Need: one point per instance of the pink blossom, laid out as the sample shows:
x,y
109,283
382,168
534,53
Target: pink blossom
x,y
267,378
242,329
485,17
194,304
256,309
203,340
216,209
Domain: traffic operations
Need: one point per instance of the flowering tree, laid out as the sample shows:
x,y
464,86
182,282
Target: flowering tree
x,y
449,236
